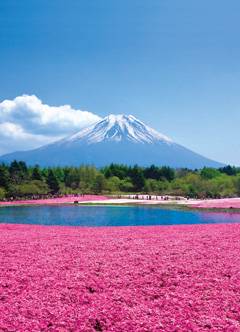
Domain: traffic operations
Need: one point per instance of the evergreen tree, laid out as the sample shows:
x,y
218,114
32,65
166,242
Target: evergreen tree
x,y
152,172
229,170
137,178
4,177
167,173
72,178
18,171
52,182
36,173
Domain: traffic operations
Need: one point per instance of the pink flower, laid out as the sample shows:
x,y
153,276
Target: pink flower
x,y
176,278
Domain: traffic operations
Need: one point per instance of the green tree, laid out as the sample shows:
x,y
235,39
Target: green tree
x,y
2,193
99,184
151,186
4,177
34,187
18,171
36,173
209,173
72,178
166,173
137,178
113,184
126,185
121,171
229,170
152,172
52,182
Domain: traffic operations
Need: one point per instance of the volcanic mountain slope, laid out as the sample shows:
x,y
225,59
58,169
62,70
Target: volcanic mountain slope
x,y
118,139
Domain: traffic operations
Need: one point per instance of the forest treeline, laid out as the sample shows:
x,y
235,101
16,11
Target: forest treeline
x,y
18,180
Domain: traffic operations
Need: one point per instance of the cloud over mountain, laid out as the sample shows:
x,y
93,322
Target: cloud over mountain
x,y
26,123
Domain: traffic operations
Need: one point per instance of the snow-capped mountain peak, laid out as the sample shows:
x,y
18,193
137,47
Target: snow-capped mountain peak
x,y
120,139
119,128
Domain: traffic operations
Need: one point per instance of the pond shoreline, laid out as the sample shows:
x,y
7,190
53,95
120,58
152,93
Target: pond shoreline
x,y
224,204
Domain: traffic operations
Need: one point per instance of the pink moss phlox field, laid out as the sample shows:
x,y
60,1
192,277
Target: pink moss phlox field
x,y
134,279
224,203
60,200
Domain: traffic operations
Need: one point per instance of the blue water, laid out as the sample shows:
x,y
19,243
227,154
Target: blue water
x,y
110,216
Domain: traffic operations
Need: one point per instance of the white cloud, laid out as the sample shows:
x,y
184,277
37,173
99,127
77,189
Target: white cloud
x,y
26,123
14,138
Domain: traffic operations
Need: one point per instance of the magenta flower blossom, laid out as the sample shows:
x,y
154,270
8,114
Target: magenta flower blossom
x,y
224,203
59,200
134,279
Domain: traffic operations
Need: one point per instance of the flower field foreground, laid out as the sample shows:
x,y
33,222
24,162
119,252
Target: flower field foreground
x,y
176,278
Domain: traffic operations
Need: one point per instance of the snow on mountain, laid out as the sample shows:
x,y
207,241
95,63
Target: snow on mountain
x,y
118,139
118,128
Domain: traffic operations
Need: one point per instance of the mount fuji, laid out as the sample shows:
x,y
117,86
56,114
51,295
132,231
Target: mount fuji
x,y
115,139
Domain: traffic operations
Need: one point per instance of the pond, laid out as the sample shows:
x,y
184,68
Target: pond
x,y
74,215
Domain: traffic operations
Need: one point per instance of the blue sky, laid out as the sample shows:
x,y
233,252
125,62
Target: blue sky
x,y
173,64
